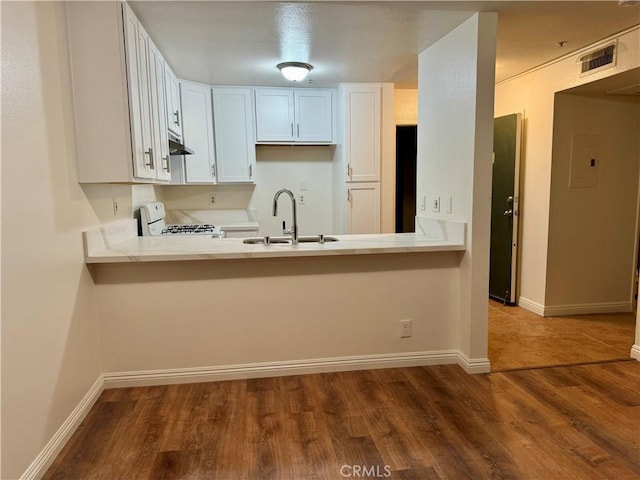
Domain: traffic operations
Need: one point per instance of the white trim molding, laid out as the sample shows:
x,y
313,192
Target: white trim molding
x,y
43,461
474,366
45,458
574,309
635,352
586,308
280,369
532,306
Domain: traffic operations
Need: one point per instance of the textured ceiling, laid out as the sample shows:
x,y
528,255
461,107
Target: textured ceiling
x,y
239,43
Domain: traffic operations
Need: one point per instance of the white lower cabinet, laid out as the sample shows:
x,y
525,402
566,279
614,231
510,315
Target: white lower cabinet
x,y
197,132
363,208
234,134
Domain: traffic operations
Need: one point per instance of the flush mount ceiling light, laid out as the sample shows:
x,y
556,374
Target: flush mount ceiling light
x,y
294,71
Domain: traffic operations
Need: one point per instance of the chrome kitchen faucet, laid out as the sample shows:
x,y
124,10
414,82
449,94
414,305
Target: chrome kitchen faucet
x,y
294,229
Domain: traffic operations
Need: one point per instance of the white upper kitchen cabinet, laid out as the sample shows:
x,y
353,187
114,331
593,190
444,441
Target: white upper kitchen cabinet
x,y
288,116
197,132
234,135
112,93
362,131
174,112
159,132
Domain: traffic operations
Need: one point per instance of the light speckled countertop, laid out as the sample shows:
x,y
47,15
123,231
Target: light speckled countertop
x,y
119,243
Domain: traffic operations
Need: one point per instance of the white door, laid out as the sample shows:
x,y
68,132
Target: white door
x,y
172,93
233,133
274,115
145,105
141,168
363,208
362,133
159,113
314,116
197,130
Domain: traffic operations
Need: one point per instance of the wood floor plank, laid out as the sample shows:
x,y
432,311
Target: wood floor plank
x,y
579,422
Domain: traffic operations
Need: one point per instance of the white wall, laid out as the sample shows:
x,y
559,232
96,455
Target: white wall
x,y
405,111
237,312
455,144
533,95
50,338
592,230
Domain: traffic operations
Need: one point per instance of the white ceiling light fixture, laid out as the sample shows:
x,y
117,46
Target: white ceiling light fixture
x,y
294,71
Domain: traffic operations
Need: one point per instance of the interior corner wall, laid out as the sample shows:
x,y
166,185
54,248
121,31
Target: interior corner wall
x,y
455,141
592,230
387,161
532,94
50,336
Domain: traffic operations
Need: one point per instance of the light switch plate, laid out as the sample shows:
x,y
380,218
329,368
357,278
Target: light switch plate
x,y
435,203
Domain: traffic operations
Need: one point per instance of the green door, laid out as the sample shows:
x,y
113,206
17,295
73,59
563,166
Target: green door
x,y
504,208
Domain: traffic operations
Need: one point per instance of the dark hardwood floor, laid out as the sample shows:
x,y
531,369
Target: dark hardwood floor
x,y
577,422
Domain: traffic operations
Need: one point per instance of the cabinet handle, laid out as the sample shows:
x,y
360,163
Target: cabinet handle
x,y
349,195
177,115
292,129
167,167
213,171
250,171
298,127
349,171
150,153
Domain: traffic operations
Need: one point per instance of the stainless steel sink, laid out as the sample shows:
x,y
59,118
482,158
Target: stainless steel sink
x,y
287,240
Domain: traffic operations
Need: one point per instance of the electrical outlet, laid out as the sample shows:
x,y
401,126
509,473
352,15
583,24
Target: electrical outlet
x,y
302,198
212,199
405,328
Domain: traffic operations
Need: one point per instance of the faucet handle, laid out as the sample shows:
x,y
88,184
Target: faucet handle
x,y
284,229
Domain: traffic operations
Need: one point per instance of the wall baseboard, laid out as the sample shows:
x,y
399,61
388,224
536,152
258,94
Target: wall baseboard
x,y
635,352
474,365
276,369
43,461
574,309
530,305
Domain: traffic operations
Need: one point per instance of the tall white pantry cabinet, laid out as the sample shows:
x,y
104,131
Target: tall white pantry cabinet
x,y
357,173
119,96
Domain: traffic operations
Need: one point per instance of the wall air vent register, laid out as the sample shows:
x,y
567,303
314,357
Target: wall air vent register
x,y
602,58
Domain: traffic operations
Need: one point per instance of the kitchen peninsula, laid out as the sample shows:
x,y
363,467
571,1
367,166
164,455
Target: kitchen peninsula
x,y
118,242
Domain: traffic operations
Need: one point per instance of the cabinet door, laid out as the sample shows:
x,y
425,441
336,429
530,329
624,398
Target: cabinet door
x,y
159,114
363,208
150,155
314,116
233,133
274,115
197,130
137,75
172,93
362,133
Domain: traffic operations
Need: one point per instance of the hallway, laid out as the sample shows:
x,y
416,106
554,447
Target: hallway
x,y
521,339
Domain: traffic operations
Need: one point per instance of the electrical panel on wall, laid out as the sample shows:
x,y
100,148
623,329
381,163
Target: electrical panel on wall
x,y
585,161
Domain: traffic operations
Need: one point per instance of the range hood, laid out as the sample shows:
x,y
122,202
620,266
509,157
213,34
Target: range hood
x,y
176,147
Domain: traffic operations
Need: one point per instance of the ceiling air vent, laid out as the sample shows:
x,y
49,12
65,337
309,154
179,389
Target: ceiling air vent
x,y
596,60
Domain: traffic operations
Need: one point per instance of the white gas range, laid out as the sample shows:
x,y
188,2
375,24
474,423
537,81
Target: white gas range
x,y
152,217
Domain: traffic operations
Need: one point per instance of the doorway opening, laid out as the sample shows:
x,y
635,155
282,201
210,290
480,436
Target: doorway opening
x,y
406,155
591,258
